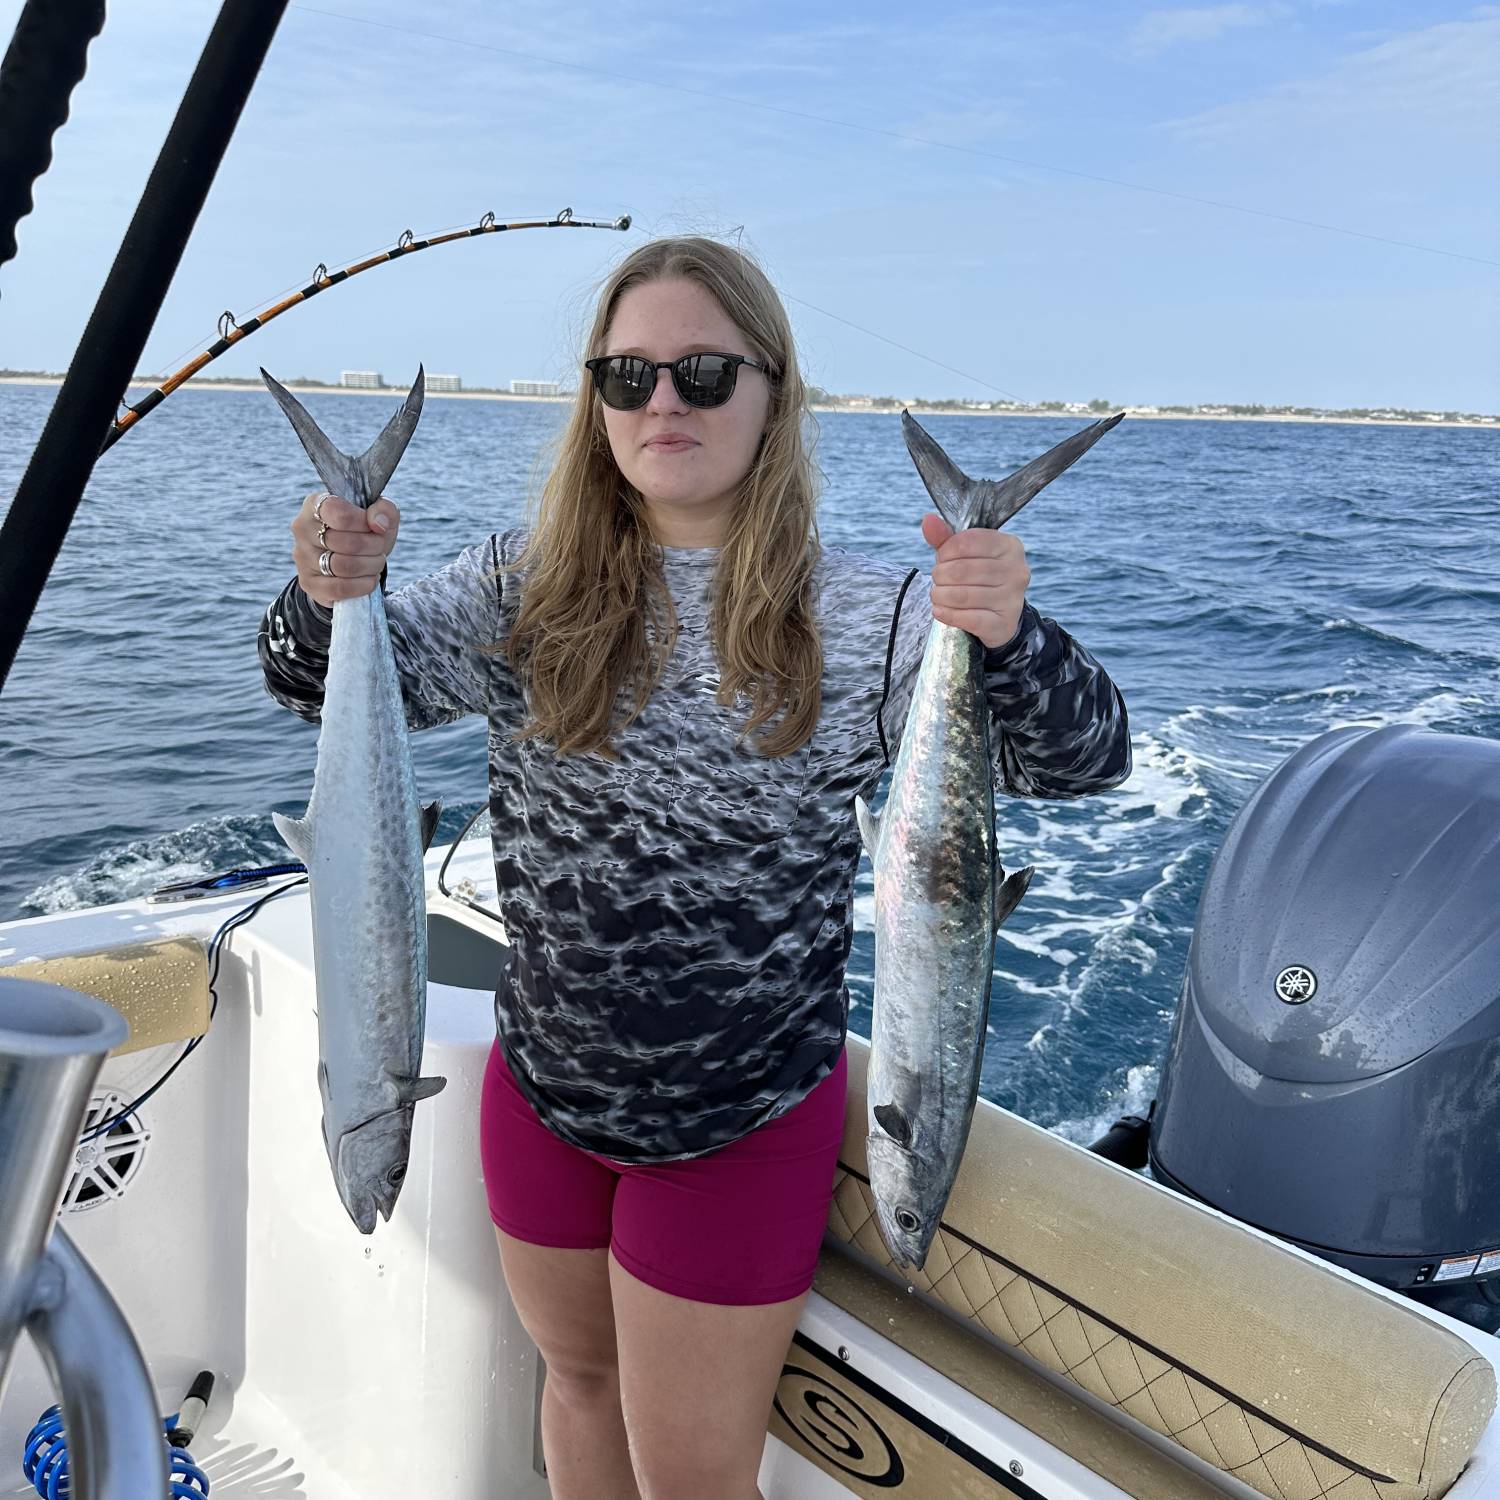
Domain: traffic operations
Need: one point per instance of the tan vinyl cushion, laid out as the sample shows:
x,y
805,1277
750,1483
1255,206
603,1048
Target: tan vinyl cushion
x,y
160,987
1283,1372
1055,1412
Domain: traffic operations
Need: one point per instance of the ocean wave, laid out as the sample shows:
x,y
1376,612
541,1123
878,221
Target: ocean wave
x,y
1132,1097
125,871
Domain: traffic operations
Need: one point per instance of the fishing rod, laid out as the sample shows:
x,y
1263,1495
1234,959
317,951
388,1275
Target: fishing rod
x,y
47,497
231,332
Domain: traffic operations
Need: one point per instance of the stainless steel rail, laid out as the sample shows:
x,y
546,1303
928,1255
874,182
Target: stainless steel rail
x,y
53,1042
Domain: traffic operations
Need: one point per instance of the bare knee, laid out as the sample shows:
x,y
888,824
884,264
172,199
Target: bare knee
x,y
563,1299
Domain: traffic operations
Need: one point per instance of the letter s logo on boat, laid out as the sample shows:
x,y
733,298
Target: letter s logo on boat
x,y
837,1428
1296,985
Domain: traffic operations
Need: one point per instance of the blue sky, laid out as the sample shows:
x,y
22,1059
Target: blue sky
x,y
931,174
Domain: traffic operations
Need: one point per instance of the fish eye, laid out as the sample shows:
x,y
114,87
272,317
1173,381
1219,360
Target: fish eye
x,y
907,1220
397,1175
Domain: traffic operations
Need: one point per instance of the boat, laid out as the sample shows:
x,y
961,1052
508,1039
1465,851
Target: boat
x,y
1079,1331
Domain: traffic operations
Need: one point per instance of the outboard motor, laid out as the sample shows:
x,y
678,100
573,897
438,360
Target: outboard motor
x,y
1334,1070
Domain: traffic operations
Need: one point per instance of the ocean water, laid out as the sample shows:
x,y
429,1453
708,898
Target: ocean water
x,y
1248,585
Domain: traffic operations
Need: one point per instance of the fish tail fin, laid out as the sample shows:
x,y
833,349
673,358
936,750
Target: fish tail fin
x,y
335,468
297,834
1009,892
359,480
378,462
988,502
952,490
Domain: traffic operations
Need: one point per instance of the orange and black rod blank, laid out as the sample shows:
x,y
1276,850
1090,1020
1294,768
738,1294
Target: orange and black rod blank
x,y
230,332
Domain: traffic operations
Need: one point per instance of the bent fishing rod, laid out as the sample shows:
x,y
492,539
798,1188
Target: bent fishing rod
x,y
232,332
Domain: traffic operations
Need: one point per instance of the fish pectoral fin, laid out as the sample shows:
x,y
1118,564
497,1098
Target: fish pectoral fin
x,y
297,834
869,825
895,1122
430,815
414,1090
1009,892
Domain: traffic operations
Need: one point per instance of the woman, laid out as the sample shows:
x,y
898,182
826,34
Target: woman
x,y
682,689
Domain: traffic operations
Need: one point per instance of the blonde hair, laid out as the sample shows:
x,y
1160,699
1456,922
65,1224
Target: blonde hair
x,y
596,619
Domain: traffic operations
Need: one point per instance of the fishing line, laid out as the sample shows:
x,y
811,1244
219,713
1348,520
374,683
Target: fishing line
x,y
215,949
232,332
901,135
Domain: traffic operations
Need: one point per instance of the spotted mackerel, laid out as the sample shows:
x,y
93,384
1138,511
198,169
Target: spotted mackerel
x,y
362,839
941,893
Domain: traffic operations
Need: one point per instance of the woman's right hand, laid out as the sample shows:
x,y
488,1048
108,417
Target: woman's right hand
x,y
358,542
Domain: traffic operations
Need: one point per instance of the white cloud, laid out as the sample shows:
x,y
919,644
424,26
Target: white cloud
x,y
1423,90
1160,29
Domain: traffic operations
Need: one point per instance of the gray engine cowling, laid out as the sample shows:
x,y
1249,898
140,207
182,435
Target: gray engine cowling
x,y
1334,1069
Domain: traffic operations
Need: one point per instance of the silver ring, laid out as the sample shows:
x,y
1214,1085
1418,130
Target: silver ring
x,y
325,564
318,510
322,533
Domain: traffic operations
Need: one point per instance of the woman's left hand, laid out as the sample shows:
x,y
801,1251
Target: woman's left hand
x,y
978,580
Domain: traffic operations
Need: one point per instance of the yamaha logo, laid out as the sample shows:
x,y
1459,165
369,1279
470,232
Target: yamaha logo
x,y
1296,985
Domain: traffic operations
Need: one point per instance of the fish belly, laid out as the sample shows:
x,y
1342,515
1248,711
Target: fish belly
x,y
367,880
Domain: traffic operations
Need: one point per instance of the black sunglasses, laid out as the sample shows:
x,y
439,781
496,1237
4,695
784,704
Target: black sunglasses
x,y
626,381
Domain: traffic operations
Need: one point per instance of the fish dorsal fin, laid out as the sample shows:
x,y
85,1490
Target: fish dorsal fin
x,y
430,815
358,480
1009,892
869,825
895,1122
378,462
297,834
986,502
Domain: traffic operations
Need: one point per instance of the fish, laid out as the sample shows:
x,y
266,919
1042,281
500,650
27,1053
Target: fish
x,y
362,839
941,892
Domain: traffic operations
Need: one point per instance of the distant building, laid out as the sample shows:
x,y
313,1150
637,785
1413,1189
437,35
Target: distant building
x,y
444,383
362,380
535,388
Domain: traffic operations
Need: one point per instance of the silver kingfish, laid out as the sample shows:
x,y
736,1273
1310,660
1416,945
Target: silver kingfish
x,y
941,893
362,839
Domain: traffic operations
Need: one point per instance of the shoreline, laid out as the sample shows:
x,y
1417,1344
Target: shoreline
x,y
243,386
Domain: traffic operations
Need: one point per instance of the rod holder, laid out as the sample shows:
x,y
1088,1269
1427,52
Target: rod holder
x,y
53,1042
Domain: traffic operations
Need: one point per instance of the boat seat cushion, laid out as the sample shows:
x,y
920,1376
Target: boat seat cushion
x,y
160,987
1278,1369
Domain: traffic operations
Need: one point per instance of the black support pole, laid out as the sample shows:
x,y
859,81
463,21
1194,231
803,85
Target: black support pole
x,y
47,55
49,492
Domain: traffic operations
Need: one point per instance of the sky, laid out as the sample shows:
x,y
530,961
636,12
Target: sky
x,y
1293,201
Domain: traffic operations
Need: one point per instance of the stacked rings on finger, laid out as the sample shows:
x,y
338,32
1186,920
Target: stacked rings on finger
x,y
318,509
325,564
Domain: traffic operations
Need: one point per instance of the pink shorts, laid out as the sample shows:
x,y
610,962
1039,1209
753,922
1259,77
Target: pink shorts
x,y
740,1226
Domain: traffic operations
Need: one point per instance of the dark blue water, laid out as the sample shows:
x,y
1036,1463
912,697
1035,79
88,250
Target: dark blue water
x,y
1248,585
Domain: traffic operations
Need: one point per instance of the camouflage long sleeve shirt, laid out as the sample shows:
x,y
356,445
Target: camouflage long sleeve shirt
x,y
680,917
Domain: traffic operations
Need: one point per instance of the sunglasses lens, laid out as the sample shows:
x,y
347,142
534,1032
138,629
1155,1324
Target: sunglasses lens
x,y
625,382
705,380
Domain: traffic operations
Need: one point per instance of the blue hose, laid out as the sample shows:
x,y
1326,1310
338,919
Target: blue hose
x,y
45,1462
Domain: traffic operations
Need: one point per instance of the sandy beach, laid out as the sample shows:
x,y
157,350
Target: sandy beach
x,y
1134,413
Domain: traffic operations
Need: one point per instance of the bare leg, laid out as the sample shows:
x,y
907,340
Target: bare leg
x,y
696,1383
564,1300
